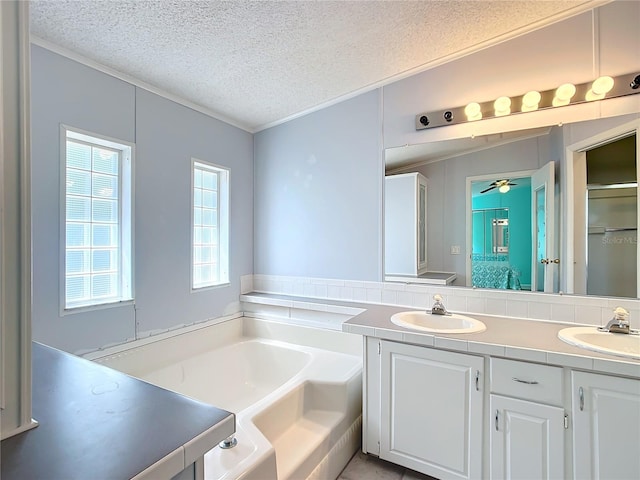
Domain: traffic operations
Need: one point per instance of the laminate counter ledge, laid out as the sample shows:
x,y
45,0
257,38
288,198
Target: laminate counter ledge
x,y
95,422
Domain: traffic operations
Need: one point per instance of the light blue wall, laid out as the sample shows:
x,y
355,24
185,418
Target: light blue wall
x,y
573,50
166,135
66,92
533,60
318,194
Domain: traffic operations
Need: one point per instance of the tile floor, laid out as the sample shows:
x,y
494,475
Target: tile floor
x,y
367,467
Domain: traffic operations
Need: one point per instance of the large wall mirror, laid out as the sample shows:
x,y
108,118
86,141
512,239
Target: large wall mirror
x,y
545,209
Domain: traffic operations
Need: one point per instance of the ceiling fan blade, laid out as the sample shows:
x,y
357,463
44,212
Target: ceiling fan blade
x,y
487,189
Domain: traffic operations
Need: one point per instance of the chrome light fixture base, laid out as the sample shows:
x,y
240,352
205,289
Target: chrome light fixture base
x,y
566,94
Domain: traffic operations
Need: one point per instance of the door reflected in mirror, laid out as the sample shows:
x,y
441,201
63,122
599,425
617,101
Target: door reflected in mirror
x,y
540,242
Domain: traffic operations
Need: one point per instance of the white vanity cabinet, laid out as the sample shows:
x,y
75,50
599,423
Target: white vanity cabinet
x,y
405,231
431,410
428,409
606,426
526,421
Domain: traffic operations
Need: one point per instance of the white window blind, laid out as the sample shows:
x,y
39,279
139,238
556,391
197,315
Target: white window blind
x,y
97,221
210,225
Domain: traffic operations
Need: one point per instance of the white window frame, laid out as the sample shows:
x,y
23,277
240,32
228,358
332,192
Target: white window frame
x,y
125,294
223,256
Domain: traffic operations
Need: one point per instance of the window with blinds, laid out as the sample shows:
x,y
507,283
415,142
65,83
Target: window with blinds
x,y
97,210
210,225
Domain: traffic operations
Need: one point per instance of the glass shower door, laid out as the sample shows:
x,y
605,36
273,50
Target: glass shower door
x,y
612,241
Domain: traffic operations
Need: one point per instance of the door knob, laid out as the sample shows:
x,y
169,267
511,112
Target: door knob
x,y
548,261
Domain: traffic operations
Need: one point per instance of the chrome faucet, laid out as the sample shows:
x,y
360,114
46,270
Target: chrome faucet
x,y
619,323
438,306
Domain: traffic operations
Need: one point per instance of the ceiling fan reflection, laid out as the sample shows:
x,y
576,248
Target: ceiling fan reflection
x,y
502,185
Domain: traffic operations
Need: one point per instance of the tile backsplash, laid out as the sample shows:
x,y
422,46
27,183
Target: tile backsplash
x,y
511,303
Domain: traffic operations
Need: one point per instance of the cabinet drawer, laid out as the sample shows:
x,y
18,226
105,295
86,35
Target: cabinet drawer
x,y
529,381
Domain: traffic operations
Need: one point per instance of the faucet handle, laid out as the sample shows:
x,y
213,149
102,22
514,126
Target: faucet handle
x,y
438,307
621,315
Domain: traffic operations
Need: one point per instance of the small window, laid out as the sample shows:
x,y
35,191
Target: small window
x,y
210,226
96,220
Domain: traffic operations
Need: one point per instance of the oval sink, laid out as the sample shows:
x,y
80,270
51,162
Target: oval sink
x,y
590,338
426,322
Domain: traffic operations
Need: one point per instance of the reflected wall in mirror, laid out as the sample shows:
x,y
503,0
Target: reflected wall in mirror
x,y
565,264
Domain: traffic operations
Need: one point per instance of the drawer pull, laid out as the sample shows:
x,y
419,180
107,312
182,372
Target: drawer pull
x,y
497,412
477,380
581,396
528,382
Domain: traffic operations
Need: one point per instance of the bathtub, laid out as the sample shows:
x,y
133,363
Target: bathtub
x,y
296,393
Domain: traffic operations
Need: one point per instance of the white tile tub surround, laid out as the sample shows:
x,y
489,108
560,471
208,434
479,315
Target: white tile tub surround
x,y
583,310
246,283
259,370
298,312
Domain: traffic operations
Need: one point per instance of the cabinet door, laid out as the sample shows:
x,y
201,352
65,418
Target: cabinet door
x,y
606,426
431,409
527,439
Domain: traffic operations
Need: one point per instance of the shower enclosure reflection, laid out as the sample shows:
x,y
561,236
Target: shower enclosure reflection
x,y
611,241
612,216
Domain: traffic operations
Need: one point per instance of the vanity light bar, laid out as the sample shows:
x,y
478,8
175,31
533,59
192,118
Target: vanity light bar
x,y
566,94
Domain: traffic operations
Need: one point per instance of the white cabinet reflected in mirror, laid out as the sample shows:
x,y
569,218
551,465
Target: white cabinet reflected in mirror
x,y
579,232
405,210
406,231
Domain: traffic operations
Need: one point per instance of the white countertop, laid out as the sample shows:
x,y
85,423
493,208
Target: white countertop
x,y
529,340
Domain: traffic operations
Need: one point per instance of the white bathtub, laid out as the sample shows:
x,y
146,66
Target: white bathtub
x,y
297,406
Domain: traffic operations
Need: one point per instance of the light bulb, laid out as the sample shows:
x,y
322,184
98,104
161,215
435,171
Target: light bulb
x,y
502,106
504,188
590,96
473,111
564,93
602,85
530,101
599,89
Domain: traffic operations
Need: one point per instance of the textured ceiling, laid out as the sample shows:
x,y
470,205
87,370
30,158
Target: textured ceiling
x,y
256,63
